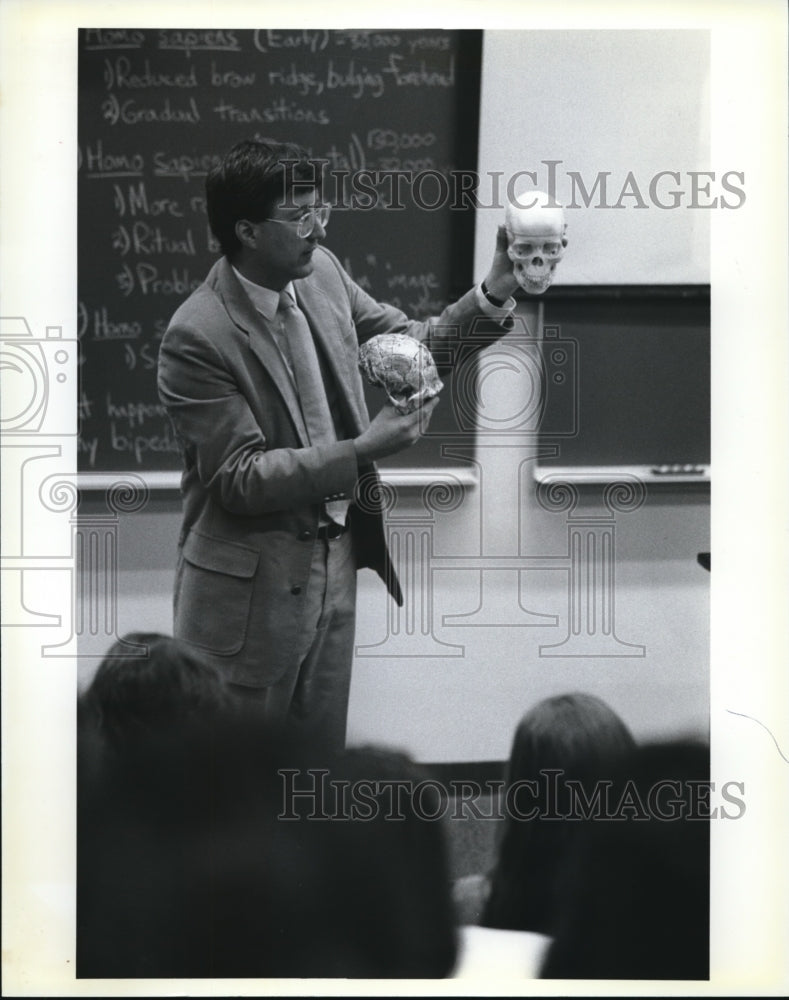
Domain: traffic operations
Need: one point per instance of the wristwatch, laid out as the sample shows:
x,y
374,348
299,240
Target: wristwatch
x,y
499,303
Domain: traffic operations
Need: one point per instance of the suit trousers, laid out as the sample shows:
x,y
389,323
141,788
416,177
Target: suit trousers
x,y
312,698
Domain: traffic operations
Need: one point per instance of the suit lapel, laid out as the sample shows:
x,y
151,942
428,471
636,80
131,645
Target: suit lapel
x,y
261,340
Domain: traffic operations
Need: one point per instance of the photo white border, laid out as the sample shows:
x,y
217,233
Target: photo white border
x,y
750,683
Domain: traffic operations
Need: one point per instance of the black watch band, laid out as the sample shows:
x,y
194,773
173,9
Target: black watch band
x,y
499,303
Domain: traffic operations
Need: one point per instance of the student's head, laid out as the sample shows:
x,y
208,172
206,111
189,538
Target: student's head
x,y
396,906
132,696
577,733
563,752
633,902
226,850
257,196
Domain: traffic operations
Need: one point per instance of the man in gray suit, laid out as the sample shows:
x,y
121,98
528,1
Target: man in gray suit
x,y
258,371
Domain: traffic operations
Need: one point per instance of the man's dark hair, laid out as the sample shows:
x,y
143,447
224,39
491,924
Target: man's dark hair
x,y
251,180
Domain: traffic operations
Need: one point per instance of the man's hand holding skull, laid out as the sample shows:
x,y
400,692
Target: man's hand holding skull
x,y
501,281
405,370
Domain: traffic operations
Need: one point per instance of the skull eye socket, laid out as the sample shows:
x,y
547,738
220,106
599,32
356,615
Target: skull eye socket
x,y
522,250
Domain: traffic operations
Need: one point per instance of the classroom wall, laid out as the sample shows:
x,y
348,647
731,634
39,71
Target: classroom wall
x,y
447,678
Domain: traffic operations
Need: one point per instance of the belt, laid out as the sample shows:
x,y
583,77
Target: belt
x,y
331,530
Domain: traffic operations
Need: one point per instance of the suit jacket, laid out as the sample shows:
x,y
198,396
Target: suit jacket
x,y
252,485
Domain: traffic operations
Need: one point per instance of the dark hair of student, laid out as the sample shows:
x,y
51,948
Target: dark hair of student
x,y
252,179
634,899
132,696
575,738
399,902
222,850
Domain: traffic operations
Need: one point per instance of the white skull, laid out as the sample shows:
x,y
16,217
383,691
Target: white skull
x,y
536,239
403,367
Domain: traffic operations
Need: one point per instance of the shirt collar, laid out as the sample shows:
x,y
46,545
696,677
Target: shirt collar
x,y
265,300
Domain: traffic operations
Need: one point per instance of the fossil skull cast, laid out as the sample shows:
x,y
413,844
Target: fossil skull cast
x,y
403,367
535,239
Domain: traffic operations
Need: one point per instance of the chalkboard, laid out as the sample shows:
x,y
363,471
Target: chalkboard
x,y
156,110
634,391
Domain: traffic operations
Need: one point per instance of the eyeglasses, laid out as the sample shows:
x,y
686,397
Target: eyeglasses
x,y
305,224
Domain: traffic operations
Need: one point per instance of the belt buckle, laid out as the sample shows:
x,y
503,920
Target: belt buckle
x,y
331,530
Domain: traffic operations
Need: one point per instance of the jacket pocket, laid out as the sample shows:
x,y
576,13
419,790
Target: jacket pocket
x,y
217,578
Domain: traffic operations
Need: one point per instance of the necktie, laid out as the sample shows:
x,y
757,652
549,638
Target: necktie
x,y
306,369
